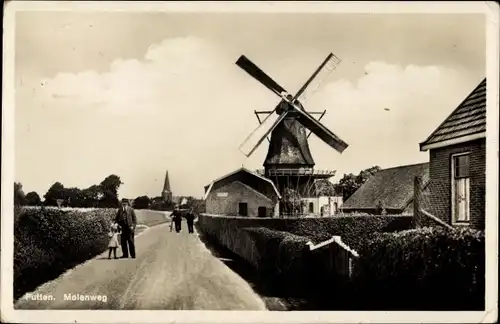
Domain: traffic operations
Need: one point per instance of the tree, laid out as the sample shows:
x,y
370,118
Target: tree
x,y
33,199
92,196
366,174
109,188
19,197
349,183
141,202
292,202
56,191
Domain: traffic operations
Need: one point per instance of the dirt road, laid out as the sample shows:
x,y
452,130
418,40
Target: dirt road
x,y
172,271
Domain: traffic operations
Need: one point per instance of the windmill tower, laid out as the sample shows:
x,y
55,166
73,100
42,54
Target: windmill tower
x,y
166,193
289,163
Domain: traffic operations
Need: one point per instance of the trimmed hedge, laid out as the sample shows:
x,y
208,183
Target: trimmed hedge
x,y
49,241
416,269
429,268
354,230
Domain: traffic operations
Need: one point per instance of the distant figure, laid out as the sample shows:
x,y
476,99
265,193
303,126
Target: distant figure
x,y
190,220
125,217
113,242
176,219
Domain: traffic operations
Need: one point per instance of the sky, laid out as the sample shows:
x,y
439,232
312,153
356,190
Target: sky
x,y
137,94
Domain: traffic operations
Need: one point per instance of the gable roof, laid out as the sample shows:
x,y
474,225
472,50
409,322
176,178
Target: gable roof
x,y
393,187
209,187
467,122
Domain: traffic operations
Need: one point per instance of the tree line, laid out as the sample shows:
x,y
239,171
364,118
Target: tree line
x,y
102,195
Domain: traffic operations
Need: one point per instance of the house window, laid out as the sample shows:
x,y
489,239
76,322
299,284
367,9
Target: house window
x,y
311,207
460,188
242,209
335,207
262,211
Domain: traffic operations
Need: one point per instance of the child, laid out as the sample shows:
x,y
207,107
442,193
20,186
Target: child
x,y
113,243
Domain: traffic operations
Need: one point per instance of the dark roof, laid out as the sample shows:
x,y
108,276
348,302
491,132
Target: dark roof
x,y
247,177
392,187
468,118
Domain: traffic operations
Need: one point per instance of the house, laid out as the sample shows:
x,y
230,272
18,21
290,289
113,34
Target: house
x,y
242,193
390,189
322,199
457,150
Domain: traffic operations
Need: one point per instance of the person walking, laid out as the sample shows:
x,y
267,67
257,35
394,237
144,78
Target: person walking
x,y
125,217
176,219
190,220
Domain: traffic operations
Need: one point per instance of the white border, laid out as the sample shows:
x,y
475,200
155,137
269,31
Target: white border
x,y
490,9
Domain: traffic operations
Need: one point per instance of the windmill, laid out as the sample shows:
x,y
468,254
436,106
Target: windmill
x,y
289,163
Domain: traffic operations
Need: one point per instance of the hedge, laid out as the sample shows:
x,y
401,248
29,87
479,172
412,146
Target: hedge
x,y
276,247
424,269
50,241
434,268
354,230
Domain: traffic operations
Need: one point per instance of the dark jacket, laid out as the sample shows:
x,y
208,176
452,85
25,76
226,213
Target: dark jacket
x,y
190,217
126,217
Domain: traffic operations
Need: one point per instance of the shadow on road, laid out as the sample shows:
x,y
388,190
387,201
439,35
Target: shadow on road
x,y
273,298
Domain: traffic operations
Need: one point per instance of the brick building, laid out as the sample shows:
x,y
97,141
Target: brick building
x,y
390,189
457,169
242,193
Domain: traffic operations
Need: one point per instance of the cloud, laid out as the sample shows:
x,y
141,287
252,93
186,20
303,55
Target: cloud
x,y
185,107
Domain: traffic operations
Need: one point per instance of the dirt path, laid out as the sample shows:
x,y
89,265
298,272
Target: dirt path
x,y
172,271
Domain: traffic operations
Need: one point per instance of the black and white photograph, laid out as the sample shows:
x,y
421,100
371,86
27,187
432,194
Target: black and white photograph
x,y
245,162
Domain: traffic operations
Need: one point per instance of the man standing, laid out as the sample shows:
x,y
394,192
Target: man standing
x,y
190,220
125,217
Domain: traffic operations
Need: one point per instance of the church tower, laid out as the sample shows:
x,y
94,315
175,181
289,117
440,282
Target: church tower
x,y
166,193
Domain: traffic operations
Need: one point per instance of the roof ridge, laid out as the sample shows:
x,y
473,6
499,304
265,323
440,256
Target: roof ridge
x,y
404,166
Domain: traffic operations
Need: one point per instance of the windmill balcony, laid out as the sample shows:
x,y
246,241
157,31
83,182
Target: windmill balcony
x,y
301,171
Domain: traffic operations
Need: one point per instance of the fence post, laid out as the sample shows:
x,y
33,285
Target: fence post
x,y
417,190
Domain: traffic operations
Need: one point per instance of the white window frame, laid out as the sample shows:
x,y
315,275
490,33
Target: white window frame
x,y
452,184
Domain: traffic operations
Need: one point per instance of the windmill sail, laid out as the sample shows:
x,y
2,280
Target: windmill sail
x,y
260,133
317,79
252,69
320,130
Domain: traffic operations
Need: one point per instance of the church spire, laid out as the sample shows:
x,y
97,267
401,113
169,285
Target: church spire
x,y
167,192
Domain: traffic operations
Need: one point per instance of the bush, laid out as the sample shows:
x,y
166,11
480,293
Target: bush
x,y
434,268
48,241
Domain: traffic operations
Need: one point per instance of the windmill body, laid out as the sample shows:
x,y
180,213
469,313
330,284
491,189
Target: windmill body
x,y
289,163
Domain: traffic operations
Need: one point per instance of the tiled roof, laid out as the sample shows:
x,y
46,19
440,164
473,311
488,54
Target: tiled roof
x,y
392,187
468,118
